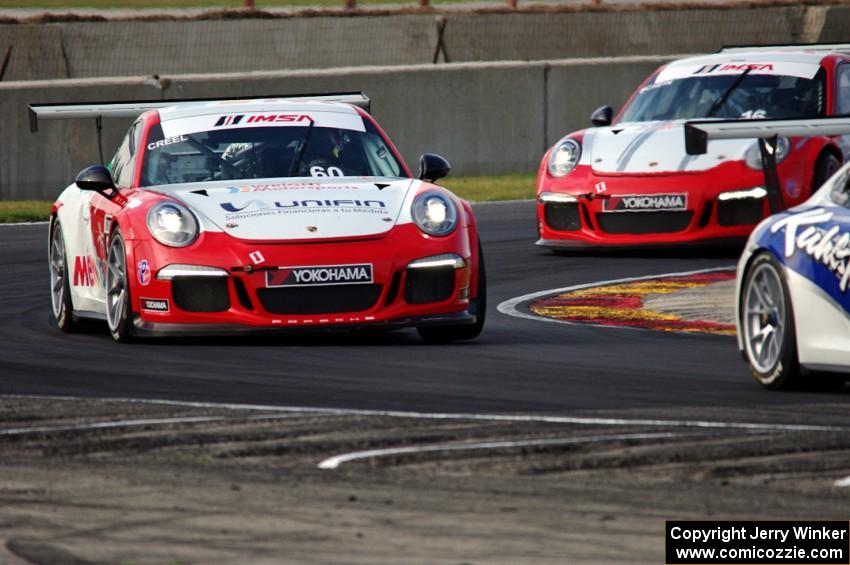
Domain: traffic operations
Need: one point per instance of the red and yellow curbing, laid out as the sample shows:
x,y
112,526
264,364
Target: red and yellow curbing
x,y
624,304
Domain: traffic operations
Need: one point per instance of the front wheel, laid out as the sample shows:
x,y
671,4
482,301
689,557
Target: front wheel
x,y
826,166
60,286
445,334
767,320
118,291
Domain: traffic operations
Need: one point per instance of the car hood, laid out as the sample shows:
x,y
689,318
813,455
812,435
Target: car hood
x,y
654,147
296,209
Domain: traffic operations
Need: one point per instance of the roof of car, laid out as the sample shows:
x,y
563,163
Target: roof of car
x,y
757,55
185,110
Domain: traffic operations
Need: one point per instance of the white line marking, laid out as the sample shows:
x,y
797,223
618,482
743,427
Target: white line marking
x,y
509,307
44,223
337,460
845,482
137,423
588,421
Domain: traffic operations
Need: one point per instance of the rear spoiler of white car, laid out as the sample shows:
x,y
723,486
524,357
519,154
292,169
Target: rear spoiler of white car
x,y
699,132
99,110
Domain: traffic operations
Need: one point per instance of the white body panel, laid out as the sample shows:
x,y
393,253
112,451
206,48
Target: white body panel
x,y
823,328
283,209
75,217
653,147
802,64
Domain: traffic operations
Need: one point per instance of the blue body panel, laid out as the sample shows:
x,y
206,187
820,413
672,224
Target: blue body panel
x,y
813,241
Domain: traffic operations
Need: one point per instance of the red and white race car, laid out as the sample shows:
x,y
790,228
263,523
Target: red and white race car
x,y
229,216
630,181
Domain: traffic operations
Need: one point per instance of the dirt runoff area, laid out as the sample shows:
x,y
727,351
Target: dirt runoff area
x,y
132,482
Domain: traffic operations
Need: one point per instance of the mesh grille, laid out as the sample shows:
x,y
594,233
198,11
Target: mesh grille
x,y
429,285
562,217
200,294
740,212
644,222
320,299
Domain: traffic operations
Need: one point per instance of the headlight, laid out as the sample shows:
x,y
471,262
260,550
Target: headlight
x,y
751,193
434,213
172,224
564,157
753,156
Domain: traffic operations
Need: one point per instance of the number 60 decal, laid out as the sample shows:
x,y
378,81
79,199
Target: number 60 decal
x,y
319,171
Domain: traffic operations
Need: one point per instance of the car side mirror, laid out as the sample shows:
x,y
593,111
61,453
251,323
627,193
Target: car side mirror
x,y
96,178
433,167
602,116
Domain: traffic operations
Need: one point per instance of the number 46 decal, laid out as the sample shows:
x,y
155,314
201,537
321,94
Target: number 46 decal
x,y
319,171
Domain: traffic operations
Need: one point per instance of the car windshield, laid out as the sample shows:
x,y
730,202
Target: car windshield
x,y
266,152
755,96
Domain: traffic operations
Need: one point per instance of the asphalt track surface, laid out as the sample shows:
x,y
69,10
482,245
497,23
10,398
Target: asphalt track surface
x,y
516,366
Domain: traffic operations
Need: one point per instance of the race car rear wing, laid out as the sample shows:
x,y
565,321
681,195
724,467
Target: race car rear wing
x,y
699,132
99,110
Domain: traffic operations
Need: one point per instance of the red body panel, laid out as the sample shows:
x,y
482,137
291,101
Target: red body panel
x,y
388,255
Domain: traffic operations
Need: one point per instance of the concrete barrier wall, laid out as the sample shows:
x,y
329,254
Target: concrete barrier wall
x,y
486,118
532,36
134,48
40,165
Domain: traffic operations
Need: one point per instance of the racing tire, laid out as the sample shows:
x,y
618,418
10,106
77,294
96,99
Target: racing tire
x,y
447,334
767,323
826,166
118,311
60,285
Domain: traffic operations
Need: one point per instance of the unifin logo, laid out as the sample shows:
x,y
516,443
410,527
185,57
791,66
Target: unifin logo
x,y
317,204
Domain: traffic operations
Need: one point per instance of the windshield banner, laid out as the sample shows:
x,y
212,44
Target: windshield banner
x,y
780,68
211,122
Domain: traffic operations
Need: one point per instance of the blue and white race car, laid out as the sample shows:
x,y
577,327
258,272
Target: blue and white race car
x,y
793,296
793,283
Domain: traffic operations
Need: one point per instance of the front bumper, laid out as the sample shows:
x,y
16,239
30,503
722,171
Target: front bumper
x,y
241,298
576,214
159,329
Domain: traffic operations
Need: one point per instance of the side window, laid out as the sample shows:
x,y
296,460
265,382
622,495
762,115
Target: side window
x,y
842,97
123,162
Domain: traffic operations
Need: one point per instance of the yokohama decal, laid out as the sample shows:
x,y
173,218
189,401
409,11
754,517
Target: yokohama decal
x,y
646,202
320,275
